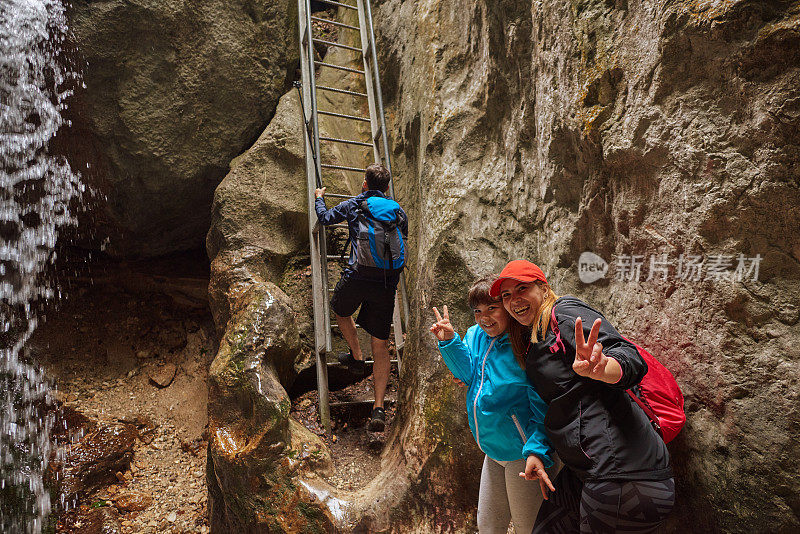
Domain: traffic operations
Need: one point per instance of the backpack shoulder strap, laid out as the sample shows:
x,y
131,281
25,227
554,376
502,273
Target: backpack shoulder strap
x,y
647,410
559,343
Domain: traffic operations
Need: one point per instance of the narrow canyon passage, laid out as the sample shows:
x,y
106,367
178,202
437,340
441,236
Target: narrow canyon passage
x,y
645,154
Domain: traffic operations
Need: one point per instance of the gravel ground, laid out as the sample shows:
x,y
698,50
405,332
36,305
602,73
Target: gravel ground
x,y
124,351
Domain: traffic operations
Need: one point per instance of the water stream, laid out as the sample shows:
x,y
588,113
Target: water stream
x,y
38,196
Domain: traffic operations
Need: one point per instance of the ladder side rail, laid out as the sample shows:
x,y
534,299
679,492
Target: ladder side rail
x,y
384,137
316,235
378,93
315,128
369,83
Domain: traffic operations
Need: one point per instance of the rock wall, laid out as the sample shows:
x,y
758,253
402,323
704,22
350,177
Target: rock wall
x,y
542,130
174,90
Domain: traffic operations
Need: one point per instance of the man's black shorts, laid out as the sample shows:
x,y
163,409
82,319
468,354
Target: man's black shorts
x,y
375,299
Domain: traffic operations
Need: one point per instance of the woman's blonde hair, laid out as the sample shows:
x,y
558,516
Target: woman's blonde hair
x,y
522,336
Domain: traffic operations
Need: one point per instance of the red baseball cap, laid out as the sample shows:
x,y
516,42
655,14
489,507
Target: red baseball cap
x,y
520,270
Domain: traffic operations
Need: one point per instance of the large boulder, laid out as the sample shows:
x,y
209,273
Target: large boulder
x,y
260,214
542,130
257,454
174,90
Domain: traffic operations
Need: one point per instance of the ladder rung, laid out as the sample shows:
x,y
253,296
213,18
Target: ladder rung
x,y
345,141
343,91
338,226
338,4
337,364
345,404
342,167
335,257
331,43
336,23
338,195
336,326
339,67
343,116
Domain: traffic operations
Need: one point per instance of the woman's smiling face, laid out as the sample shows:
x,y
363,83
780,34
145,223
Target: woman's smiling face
x,y
522,299
492,318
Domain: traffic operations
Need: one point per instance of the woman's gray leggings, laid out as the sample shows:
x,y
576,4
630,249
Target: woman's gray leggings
x,y
505,496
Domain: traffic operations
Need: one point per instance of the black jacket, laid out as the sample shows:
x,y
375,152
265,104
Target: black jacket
x,y
597,430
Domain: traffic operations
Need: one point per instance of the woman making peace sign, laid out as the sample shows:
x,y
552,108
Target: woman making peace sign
x,y
617,475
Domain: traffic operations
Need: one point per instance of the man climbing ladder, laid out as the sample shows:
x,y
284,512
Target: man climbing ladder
x,y
378,227
354,19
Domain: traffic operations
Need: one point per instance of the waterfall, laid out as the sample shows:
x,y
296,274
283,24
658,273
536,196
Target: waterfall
x,y
38,196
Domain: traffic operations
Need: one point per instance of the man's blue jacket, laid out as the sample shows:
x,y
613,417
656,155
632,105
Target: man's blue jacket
x,y
505,413
346,211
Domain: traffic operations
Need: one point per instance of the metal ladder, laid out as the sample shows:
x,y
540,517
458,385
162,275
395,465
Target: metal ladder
x,y
314,168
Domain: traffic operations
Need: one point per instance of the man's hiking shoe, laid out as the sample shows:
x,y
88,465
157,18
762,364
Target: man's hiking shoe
x,y
356,367
377,422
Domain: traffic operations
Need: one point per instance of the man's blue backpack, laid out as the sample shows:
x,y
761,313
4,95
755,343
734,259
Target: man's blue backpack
x,y
380,249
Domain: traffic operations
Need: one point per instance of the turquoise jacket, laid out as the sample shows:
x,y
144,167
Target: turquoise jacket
x,y
505,413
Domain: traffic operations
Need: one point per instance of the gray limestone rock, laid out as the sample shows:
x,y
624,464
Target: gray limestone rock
x,y
174,90
545,130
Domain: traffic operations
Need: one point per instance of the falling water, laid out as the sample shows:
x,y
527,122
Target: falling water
x,y
38,192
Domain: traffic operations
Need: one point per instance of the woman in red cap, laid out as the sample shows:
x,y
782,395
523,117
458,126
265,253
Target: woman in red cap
x,y
617,473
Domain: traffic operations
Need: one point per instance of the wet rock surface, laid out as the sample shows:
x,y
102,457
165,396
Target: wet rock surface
x,y
99,521
255,449
95,460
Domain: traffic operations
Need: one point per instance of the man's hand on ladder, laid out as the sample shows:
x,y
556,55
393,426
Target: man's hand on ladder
x,y
319,192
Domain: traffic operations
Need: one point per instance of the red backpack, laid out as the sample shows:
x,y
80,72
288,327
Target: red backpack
x,y
660,397
658,394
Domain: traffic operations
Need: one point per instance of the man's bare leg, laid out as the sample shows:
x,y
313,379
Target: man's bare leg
x,y
348,328
380,369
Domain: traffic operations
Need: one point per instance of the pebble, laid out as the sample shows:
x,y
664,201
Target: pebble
x,y
172,517
163,376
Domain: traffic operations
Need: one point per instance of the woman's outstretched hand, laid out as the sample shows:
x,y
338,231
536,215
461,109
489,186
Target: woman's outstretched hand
x,y
534,469
589,358
442,328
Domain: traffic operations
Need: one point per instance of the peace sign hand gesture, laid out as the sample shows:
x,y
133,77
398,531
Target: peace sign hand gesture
x,y
442,328
589,358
